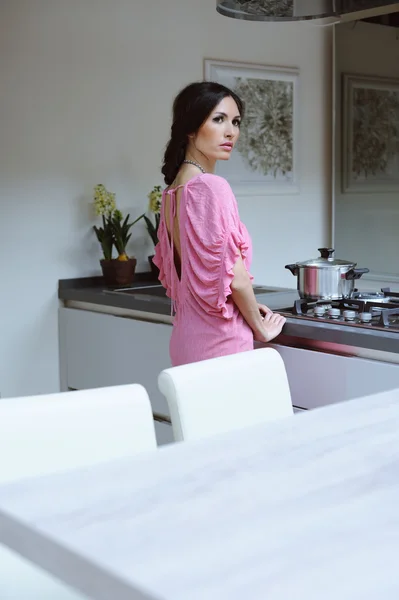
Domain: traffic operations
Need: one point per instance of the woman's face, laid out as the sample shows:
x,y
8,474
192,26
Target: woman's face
x,y
218,135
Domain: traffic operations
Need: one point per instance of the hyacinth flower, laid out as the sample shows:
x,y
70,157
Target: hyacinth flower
x,y
115,230
154,207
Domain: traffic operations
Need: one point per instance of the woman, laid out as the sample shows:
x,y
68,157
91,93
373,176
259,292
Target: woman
x,y
204,251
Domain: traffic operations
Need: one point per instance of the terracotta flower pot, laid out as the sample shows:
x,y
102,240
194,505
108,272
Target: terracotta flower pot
x,y
154,268
118,272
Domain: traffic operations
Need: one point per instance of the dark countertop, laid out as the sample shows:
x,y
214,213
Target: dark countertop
x,y
147,296
93,290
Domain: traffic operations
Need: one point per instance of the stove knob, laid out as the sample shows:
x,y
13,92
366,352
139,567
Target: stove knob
x,y
334,313
319,310
365,317
349,315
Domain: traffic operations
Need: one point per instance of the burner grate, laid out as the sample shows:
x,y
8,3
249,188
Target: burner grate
x,y
363,309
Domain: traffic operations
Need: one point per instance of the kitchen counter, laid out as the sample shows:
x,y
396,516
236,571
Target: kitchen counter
x,y
148,295
111,338
92,294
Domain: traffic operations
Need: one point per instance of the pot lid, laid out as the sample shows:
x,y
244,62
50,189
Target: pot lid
x,y
326,259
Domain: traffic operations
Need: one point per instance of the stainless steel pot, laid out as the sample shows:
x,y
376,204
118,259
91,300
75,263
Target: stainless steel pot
x,y
325,278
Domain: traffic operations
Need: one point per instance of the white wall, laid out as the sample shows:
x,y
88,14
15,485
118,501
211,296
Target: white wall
x,y
86,88
366,224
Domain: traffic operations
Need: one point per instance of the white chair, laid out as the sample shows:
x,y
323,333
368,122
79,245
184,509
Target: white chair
x,y
230,392
40,435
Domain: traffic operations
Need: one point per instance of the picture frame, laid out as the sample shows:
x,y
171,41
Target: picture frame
x,y
265,159
370,134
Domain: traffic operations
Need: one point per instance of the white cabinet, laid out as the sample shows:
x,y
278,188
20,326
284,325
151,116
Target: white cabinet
x,y
319,378
99,350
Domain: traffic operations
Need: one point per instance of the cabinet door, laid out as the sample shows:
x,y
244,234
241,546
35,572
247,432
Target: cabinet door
x,y
102,350
318,378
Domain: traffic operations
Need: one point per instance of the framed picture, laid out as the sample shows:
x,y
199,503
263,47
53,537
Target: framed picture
x,y
370,139
265,159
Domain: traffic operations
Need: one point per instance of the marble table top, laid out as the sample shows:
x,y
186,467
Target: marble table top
x,y
306,508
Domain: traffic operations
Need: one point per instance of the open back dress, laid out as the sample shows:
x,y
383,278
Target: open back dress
x,y
207,323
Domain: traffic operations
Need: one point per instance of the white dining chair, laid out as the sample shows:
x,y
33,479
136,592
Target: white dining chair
x,y
44,434
226,393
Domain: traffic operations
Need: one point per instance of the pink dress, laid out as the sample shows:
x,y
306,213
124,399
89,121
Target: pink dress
x,y
207,323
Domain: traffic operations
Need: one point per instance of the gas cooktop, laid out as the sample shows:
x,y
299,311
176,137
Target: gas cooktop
x,y
378,310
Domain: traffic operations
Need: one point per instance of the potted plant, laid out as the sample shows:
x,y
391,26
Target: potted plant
x,y
154,207
115,232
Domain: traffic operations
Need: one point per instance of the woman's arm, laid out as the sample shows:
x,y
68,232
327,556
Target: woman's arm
x,y
265,328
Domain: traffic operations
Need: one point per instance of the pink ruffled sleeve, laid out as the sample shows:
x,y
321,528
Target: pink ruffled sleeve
x,y
214,240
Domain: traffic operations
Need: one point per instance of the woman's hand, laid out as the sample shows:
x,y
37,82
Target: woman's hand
x,y
264,310
271,327
264,323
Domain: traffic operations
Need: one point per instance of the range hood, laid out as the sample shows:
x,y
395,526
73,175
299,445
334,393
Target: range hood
x,y
320,11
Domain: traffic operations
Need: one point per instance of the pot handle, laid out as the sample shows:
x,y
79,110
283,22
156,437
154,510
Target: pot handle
x,y
355,273
326,252
293,268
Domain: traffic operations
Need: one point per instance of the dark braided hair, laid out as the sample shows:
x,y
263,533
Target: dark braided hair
x,y
191,107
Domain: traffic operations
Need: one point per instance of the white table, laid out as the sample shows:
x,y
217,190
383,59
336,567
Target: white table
x,y
307,508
